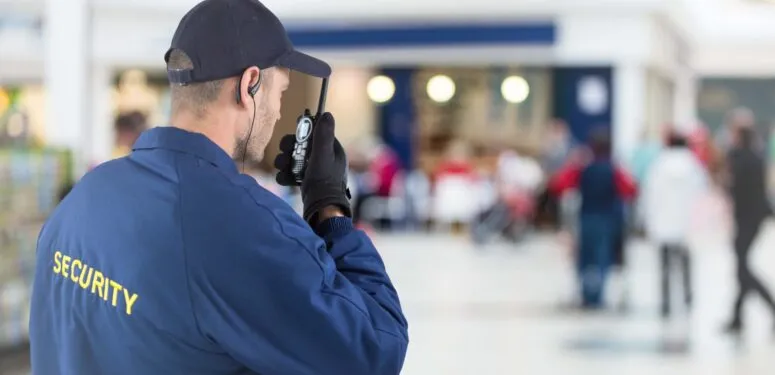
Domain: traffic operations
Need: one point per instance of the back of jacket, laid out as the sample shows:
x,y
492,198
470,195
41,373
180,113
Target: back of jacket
x,y
671,188
597,187
747,185
110,292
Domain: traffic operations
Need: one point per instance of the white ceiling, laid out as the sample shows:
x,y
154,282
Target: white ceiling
x,y
726,36
740,22
708,22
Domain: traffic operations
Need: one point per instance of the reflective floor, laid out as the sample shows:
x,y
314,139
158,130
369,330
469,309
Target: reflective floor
x,y
504,309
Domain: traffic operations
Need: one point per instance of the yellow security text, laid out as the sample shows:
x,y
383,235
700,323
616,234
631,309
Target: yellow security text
x,y
94,281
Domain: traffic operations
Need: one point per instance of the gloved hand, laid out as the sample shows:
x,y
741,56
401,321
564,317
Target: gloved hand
x,y
325,176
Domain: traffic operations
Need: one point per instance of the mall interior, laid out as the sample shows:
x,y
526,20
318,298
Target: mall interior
x,y
459,120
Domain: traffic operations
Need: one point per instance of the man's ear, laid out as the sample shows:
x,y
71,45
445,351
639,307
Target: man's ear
x,y
248,85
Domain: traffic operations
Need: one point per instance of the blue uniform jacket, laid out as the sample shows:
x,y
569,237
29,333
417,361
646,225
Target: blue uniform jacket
x,y
169,261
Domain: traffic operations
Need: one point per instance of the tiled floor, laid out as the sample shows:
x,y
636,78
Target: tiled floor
x,y
500,310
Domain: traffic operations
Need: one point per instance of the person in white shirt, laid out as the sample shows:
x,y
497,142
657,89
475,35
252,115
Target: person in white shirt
x,y
672,185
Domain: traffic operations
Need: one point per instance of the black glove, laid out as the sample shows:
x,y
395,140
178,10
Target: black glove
x,y
325,176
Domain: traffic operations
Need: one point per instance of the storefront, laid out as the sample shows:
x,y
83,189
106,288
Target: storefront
x,y
629,78
421,110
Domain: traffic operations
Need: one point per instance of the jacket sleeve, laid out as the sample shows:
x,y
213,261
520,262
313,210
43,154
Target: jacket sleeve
x,y
565,179
625,184
279,301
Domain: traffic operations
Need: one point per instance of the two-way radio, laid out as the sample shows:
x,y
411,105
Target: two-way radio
x,y
304,126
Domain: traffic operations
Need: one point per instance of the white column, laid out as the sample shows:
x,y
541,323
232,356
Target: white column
x,y
66,62
101,121
629,113
686,87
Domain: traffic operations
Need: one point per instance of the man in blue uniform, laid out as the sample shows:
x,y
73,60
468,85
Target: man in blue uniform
x,y
169,261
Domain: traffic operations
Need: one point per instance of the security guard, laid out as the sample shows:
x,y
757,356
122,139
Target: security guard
x,y
169,261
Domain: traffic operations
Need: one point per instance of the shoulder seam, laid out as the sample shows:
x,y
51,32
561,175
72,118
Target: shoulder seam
x,y
183,247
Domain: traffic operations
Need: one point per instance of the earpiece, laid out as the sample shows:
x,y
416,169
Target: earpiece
x,y
252,90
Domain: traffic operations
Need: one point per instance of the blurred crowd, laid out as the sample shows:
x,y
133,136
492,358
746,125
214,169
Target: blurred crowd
x,y
594,200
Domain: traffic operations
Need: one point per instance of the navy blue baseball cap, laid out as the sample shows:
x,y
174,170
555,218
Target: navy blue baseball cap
x,y
224,37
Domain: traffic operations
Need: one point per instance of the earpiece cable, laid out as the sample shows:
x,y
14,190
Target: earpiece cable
x,y
250,132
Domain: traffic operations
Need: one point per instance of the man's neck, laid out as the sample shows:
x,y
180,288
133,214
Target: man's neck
x,y
212,127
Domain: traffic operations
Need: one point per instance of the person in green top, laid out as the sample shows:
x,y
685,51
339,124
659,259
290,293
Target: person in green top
x,y
646,152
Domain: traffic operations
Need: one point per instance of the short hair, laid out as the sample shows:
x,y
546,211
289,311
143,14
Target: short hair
x,y
193,96
747,136
677,140
130,122
739,113
600,141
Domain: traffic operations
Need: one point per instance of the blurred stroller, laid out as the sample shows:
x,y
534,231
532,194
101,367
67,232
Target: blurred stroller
x,y
510,218
511,211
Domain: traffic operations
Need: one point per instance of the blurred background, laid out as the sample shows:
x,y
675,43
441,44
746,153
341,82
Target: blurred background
x,y
556,185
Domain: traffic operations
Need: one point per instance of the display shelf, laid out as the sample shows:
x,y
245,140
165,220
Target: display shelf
x,y
30,181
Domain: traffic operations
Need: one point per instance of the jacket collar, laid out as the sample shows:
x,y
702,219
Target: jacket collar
x,y
176,139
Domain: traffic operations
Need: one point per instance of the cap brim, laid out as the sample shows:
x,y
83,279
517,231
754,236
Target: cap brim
x,y
306,64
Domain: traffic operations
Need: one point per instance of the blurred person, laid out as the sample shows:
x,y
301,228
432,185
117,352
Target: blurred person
x,y
632,216
134,93
454,185
128,128
674,183
569,201
170,261
621,230
601,185
698,140
385,167
737,118
642,158
771,143
709,154
555,152
360,180
514,171
747,190
770,161
456,162
378,178
645,153
557,146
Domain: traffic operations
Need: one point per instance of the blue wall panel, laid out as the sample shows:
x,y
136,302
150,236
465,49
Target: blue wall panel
x,y
398,117
429,35
583,97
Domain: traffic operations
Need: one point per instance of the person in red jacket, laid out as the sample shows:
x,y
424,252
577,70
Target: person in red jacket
x,y
457,162
603,187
